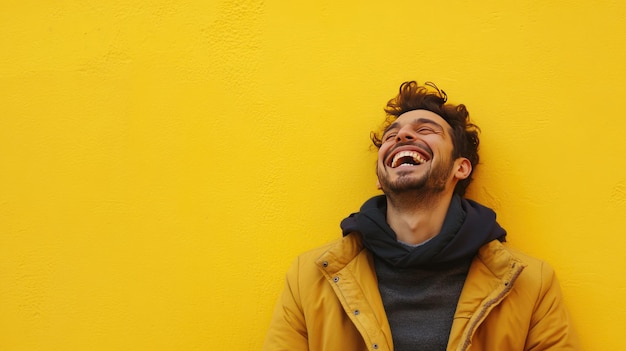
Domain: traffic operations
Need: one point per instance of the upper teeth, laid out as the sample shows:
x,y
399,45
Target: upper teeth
x,y
416,157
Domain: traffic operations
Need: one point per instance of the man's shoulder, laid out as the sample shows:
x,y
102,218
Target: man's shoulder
x,y
497,256
523,256
346,245
503,251
333,255
531,263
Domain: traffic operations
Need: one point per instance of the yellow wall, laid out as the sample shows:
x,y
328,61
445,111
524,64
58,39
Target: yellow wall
x,y
162,162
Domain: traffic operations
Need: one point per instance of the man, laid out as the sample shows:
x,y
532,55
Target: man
x,y
421,267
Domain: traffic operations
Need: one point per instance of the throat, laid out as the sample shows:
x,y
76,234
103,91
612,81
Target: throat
x,y
418,223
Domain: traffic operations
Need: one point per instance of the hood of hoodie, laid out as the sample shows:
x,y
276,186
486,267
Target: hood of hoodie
x,y
468,226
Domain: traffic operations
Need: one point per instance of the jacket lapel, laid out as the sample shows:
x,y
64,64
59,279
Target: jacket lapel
x,y
349,269
490,279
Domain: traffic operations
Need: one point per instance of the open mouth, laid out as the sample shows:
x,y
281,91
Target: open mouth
x,y
407,158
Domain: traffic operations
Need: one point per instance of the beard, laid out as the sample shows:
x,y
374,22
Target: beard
x,y
430,183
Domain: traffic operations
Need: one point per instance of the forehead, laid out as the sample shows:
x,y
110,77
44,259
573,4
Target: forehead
x,y
421,116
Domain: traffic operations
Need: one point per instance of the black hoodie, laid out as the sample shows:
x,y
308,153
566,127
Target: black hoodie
x,y
468,226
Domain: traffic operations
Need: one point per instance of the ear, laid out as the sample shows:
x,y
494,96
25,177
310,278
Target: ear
x,y
463,168
378,185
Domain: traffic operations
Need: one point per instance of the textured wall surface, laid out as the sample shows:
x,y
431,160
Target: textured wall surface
x,y
162,162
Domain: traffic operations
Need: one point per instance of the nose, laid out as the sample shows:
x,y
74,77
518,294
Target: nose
x,y
406,133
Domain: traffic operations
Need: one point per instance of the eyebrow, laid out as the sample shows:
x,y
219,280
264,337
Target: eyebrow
x,y
421,120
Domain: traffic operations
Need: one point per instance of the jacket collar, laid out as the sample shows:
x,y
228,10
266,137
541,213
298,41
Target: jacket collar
x,y
489,280
499,260
493,257
341,253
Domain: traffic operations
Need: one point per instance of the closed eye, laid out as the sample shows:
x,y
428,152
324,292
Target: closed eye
x,y
389,136
425,130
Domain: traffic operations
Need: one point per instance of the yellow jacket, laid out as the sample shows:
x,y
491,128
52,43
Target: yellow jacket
x,y
331,302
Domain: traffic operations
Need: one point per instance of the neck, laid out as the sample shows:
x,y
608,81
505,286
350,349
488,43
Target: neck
x,y
416,218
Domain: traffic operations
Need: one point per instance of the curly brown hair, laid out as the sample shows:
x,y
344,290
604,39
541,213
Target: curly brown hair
x,y
413,96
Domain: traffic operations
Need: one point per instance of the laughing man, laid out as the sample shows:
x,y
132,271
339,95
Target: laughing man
x,y
421,267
